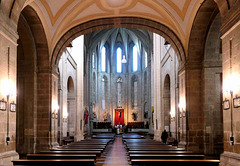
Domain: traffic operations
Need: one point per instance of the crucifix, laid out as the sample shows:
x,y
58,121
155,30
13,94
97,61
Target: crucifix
x,y
119,113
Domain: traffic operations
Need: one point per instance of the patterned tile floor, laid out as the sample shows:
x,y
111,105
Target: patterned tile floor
x,y
114,155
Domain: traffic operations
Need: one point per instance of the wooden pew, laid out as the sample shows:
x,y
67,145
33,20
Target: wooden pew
x,y
166,156
61,156
53,162
88,143
97,153
132,136
82,147
160,152
173,162
54,149
156,149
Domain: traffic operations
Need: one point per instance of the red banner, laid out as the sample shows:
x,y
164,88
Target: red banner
x,y
119,116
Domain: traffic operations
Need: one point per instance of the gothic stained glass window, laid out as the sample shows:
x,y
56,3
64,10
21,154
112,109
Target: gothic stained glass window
x,y
119,60
146,60
135,58
93,60
103,59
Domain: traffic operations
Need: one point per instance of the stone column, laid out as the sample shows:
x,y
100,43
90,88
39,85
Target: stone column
x,y
79,54
157,118
182,114
55,108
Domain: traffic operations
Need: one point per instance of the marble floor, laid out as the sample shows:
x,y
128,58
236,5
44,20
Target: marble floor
x,y
114,155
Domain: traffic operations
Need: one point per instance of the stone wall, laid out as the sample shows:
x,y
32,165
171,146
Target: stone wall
x,y
230,56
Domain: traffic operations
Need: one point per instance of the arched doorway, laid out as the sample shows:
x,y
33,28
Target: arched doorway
x,y
167,104
33,108
71,107
203,81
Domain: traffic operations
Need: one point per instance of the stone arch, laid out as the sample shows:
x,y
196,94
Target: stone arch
x,y
119,22
70,85
194,82
167,100
71,107
33,77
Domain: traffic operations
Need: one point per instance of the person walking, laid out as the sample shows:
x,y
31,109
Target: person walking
x,y
164,136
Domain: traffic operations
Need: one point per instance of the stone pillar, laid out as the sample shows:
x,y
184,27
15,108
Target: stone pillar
x,y
55,108
182,114
157,118
78,53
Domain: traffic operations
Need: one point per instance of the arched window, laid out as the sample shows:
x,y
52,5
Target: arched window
x,y
119,60
135,58
146,60
103,59
93,60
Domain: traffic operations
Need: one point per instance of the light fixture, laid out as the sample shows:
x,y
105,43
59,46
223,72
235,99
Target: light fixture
x,y
55,109
3,105
124,60
172,114
12,107
65,115
182,107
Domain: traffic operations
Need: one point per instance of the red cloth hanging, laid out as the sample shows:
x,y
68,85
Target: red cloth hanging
x,y
119,116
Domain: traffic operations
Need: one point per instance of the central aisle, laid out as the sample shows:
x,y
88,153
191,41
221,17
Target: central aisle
x,y
115,155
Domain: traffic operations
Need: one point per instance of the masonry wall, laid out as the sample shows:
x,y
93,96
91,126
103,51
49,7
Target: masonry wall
x,y
230,56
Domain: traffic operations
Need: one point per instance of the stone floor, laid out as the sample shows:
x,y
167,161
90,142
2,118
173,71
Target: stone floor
x,y
114,155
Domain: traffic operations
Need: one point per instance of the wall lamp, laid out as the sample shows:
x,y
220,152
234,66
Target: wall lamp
x,y
55,109
172,114
3,105
65,115
182,107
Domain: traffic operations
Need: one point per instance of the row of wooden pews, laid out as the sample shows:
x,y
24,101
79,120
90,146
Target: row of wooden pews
x,y
84,152
150,152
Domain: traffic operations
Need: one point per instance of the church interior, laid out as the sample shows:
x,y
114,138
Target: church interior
x,y
99,82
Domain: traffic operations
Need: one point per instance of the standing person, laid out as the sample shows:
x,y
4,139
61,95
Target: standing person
x,y
85,117
164,136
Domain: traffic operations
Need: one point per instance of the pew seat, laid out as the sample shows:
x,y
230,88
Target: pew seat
x,y
160,152
54,162
98,153
173,162
166,156
61,156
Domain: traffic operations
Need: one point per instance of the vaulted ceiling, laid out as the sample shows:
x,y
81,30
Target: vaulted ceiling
x,y
59,16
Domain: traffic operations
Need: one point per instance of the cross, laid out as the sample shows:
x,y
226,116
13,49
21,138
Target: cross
x,y
119,115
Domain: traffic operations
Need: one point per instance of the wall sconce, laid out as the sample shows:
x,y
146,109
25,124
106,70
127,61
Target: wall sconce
x,y
65,118
172,114
55,114
65,115
55,109
182,107
3,105
12,107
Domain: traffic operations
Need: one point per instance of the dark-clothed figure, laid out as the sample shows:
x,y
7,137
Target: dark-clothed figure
x,y
164,136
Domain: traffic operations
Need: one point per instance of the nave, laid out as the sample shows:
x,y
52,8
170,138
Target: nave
x,y
119,150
